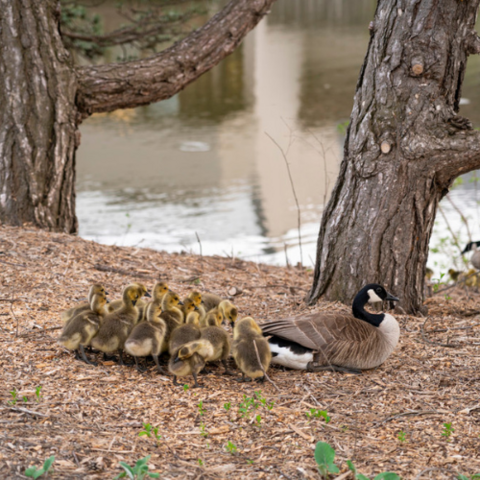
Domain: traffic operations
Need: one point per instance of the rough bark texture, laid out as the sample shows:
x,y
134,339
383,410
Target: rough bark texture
x,y
37,126
108,87
43,98
405,146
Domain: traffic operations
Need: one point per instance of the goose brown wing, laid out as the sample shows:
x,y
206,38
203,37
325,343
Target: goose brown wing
x,y
313,331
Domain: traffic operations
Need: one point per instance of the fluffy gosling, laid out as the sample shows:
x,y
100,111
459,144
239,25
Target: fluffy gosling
x,y
95,289
80,330
245,332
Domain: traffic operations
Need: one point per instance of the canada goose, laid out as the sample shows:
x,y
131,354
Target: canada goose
x,y
160,289
245,333
95,289
468,278
210,301
186,362
336,341
197,299
116,326
79,331
171,315
184,334
220,346
229,311
475,258
141,304
213,318
147,337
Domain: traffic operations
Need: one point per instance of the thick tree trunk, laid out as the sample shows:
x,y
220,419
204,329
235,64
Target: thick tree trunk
x,y
37,126
405,146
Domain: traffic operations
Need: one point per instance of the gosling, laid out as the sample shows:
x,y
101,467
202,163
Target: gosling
x,y
80,330
147,337
118,325
198,301
186,362
245,333
172,316
95,289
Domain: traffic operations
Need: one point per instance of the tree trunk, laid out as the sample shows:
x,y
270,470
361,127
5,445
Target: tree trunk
x,y
405,145
43,97
37,127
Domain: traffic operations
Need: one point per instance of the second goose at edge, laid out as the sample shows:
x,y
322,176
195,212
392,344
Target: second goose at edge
x,y
336,341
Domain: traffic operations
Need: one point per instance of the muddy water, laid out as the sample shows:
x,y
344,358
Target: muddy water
x,y
207,169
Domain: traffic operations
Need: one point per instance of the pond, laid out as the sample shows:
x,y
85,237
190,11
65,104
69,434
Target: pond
x,y
205,171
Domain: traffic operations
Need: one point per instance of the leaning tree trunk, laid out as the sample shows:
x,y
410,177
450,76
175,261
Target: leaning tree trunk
x,y
43,98
37,126
405,145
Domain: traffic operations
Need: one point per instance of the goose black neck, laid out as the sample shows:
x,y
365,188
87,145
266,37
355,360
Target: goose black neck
x,y
360,312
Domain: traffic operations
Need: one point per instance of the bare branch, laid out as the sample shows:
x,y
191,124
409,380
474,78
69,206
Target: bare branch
x,y
105,88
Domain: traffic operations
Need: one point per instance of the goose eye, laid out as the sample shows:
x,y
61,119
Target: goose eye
x,y
379,290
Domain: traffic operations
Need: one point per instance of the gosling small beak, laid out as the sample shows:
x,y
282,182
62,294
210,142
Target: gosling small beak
x,y
202,302
391,298
108,301
196,308
232,324
106,293
177,359
147,295
170,290
134,302
180,302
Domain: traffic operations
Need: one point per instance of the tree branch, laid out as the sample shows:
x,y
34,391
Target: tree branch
x,y
472,44
457,154
108,87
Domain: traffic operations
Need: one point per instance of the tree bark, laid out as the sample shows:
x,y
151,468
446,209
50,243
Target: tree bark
x,y
43,98
405,145
37,126
107,87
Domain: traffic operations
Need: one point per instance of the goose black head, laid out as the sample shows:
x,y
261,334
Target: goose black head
x,y
471,246
371,293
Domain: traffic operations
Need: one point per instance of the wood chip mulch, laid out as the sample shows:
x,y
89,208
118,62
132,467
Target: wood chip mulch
x,y
388,419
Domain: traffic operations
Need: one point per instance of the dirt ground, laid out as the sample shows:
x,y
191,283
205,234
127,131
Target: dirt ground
x,y
388,419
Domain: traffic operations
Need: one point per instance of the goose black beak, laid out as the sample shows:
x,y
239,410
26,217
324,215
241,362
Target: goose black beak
x,y
147,295
391,298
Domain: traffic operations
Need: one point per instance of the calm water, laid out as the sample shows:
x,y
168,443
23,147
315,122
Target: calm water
x,y
203,162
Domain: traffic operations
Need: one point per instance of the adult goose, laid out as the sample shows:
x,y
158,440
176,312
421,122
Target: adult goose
x,y
475,259
336,341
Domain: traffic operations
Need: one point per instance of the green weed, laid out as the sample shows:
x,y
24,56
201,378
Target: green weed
x,y
325,456
14,395
380,476
38,395
203,431
227,406
317,413
138,472
401,436
231,447
201,410
35,472
447,430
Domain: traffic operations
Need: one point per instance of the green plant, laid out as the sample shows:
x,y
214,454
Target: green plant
x,y
14,395
447,430
342,127
325,456
138,472
317,413
475,476
401,436
231,447
227,406
201,410
253,403
185,387
203,431
35,473
258,419
200,462
38,396
263,400
147,429
380,476
25,399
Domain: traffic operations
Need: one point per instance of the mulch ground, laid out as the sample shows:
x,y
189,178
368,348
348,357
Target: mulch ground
x,y
388,419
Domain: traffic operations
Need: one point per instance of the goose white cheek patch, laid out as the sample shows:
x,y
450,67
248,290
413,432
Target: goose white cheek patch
x,y
374,298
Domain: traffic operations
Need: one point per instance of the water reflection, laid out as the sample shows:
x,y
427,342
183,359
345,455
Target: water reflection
x,y
202,164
